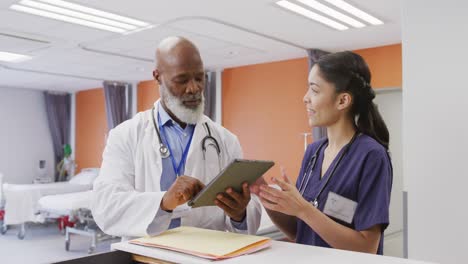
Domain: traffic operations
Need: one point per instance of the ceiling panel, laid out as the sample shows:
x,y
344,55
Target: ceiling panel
x,y
76,33
149,39
18,21
20,44
119,44
228,34
15,79
233,51
147,53
232,33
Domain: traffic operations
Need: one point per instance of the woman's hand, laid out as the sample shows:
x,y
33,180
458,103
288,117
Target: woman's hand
x,y
288,200
255,187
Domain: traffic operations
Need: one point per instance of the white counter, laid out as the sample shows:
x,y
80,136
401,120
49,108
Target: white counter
x,y
279,252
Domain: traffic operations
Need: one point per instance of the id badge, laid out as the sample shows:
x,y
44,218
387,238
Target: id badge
x,y
340,207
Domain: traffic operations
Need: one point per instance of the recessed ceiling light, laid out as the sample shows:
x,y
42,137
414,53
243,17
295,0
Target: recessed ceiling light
x,y
355,11
312,15
13,57
96,12
333,13
81,15
65,18
139,29
71,13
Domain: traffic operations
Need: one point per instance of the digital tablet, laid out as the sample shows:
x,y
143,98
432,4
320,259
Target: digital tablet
x,y
236,173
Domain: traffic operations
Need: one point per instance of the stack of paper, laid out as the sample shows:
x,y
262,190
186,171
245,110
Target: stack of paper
x,y
205,243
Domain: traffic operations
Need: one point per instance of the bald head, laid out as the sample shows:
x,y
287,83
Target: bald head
x,y
176,51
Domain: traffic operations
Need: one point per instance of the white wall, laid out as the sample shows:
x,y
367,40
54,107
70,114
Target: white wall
x,y
435,128
389,102
24,135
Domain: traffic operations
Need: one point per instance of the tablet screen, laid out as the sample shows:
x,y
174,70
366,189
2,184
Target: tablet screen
x,y
237,172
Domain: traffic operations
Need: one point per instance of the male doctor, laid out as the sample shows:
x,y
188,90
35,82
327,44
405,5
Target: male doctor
x,y
157,161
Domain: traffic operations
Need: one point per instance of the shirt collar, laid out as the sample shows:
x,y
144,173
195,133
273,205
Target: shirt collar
x,y
165,118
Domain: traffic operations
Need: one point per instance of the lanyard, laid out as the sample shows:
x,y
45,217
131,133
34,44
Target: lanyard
x,y
177,168
311,166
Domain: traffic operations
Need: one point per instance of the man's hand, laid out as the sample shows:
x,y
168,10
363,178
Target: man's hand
x,y
180,192
234,203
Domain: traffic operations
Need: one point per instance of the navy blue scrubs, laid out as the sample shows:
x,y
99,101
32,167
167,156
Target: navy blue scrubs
x,y
364,175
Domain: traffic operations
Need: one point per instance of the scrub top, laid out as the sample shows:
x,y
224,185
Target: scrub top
x,y
364,175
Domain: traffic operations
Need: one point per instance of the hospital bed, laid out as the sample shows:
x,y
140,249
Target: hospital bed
x,y
76,206
21,200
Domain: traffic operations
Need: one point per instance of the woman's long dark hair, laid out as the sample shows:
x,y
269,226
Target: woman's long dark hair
x,y
349,73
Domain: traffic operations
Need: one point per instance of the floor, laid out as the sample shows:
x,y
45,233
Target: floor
x,y
44,244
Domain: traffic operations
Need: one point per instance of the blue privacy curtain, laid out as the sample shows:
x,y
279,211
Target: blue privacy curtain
x,y
58,109
118,97
210,94
313,56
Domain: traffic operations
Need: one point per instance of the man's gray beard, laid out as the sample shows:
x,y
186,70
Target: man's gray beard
x,y
175,105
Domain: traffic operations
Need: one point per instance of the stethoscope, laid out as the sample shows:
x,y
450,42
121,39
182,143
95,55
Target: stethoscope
x,y
311,166
207,141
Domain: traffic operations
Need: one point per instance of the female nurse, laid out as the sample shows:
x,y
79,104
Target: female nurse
x,y
342,195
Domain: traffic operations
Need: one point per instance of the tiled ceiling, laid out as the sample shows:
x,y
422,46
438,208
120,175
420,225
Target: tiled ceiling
x,y
70,57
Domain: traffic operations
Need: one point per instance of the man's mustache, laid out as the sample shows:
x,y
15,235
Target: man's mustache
x,y
191,97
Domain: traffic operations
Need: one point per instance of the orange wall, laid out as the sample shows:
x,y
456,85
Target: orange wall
x,y
91,128
147,94
91,123
262,104
385,65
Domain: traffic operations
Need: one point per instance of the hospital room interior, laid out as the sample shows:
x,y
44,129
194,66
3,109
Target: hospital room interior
x,y
73,70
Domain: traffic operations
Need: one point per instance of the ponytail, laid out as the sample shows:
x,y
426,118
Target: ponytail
x,y
371,123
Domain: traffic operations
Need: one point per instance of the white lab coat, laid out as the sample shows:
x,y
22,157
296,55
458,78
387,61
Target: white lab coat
x,y
127,192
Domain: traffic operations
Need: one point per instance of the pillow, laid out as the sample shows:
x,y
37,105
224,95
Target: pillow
x,y
86,176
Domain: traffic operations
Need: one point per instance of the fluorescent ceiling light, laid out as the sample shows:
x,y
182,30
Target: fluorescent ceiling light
x,y
312,15
333,13
65,18
80,15
13,57
138,30
96,12
355,11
